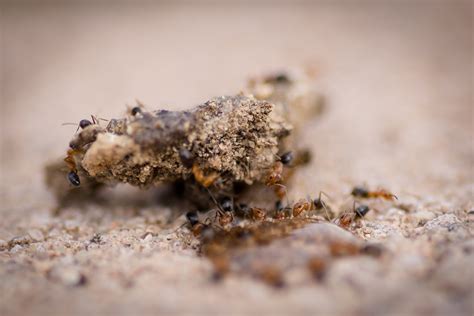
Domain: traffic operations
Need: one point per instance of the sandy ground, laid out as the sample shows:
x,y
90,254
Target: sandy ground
x,y
398,81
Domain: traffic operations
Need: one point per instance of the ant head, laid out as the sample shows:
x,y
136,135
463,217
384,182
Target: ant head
x,y
286,158
136,110
192,217
73,178
84,123
318,203
362,210
227,204
278,205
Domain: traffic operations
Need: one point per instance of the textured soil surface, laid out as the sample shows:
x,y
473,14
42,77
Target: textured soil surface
x,y
397,78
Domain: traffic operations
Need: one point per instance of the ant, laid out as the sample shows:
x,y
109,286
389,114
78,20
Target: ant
x,y
224,211
281,212
257,214
275,175
196,226
72,176
319,204
347,218
205,180
187,159
138,109
253,213
308,205
365,193
84,122
302,206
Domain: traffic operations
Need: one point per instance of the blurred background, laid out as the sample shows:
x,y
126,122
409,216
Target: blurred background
x,y
397,77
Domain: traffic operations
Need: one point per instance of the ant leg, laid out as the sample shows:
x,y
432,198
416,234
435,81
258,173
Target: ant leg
x,y
286,192
214,200
325,210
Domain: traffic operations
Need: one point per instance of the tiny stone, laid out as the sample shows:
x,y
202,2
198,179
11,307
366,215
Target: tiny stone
x,y
448,221
71,277
16,249
36,234
148,238
422,217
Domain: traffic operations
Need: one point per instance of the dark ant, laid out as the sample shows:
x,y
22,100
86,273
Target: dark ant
x,y
84,122
365,193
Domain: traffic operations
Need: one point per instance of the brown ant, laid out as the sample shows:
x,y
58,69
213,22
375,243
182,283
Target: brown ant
x,y
257,214
275,175
253,213
224,212
72,176
196,226
347,218
74,149
302,206
187,159
203,179
365,193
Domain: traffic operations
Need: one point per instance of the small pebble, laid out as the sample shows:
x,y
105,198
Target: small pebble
x,y
36,234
